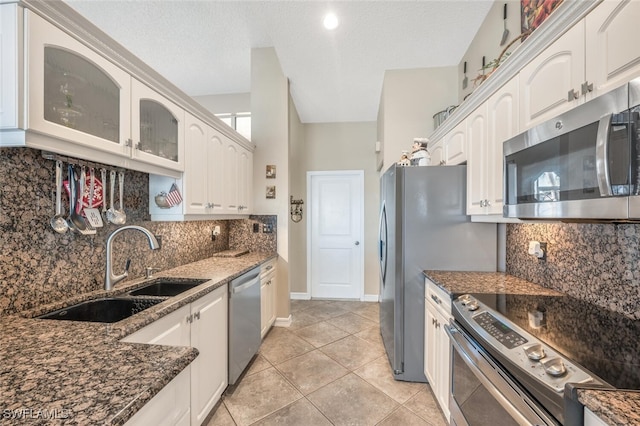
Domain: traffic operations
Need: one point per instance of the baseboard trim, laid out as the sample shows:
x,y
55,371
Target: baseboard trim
x,y
283,322
371,298
300,296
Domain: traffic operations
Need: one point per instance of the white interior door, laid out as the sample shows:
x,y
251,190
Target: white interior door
x,y
335,230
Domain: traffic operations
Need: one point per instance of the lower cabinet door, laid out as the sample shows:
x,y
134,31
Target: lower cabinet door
x,y
169,407
209,336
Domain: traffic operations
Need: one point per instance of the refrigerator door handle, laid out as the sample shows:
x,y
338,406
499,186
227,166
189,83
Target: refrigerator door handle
x,y
383,243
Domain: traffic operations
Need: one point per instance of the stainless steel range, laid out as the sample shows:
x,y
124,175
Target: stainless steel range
x,y
516,358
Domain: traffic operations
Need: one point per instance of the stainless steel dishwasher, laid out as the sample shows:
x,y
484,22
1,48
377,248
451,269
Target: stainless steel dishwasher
x,y
244,322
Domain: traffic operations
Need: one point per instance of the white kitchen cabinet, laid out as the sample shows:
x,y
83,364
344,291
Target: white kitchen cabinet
x,y
218,176
590,419
169,407
487,129
82,105
245,181
204,168
157,128
478,161
455,145
437,153
209,336
268,285
74,93
612,55
238,177
10,64
437,349
550,84
203,325
591,58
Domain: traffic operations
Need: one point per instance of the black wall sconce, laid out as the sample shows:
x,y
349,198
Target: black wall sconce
x,y
296,209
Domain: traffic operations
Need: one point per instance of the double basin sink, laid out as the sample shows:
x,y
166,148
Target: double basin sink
x,y
114,309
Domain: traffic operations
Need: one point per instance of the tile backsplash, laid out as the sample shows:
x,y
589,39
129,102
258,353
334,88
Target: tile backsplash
x,y
599,263
39,266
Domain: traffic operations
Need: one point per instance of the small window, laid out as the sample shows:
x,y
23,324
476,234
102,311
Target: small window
x,y
240,122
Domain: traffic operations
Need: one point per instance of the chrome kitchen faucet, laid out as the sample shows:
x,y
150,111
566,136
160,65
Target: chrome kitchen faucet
x,y
110,279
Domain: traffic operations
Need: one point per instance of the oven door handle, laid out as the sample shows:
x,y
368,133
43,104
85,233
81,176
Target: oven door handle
x,y
602,156
459,343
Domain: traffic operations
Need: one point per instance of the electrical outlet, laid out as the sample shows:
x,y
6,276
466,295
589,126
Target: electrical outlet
x,y
267,228
256,227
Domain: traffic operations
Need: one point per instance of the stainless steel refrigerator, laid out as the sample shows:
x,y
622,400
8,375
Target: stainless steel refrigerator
x,y
423,225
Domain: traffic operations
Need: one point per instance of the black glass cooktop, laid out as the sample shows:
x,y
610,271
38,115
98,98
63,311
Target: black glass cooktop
x,y
604,342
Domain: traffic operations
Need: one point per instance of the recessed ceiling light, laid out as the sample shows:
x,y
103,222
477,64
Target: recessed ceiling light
x,y
330,21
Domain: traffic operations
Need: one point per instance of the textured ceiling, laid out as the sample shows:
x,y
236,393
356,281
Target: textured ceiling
x,y
204,47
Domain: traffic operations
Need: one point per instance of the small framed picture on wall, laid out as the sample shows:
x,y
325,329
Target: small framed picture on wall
x,y
271,171
271,191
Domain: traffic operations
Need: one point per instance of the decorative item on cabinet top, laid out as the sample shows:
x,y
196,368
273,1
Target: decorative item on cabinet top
x,y
296,209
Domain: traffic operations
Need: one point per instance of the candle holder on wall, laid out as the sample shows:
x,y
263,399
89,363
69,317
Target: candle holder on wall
x,y
296,209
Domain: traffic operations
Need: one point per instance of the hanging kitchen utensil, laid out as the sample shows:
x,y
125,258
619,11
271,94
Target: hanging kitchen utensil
x,y
103,178
111,213
81,186
121,213
505,33
58,222
75,221
90,211
465,80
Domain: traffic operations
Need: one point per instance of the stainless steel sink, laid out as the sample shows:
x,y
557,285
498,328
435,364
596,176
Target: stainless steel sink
x,y
107,310
167,287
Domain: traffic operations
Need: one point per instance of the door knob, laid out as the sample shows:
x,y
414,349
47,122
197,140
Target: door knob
x,y
357,243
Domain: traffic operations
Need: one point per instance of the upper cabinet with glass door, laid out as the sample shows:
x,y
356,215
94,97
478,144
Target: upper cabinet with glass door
x,y
83,105
75,94
158,128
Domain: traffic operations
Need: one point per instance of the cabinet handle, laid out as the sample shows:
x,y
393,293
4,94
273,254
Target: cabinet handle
x,y
481,203
487,203
433,321
138,146
572,95
443,163
197,315
436,299
587,87
190,319
128,143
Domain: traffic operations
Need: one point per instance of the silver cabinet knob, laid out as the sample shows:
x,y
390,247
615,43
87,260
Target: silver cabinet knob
x,y
586,87
357,243
572,95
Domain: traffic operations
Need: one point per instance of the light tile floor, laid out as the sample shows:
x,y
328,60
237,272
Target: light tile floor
x,y
328,368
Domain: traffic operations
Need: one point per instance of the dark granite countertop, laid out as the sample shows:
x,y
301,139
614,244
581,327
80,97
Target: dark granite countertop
x,y
614,407
80,373
457,283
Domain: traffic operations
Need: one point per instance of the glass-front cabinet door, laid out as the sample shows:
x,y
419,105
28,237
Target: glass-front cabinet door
x,y
76,94
157,128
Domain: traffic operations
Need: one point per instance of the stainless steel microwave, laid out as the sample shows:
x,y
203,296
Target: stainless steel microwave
x,y
582,165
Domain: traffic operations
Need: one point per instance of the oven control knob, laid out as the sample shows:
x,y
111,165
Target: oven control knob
x,y
464,299
554,367
535,352
473,305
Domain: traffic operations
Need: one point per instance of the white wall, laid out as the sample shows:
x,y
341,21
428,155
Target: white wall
x,y
330,147
409,100
487,42
270,133
229,103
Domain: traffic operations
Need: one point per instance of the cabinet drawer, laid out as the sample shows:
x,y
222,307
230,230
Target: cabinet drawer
x,y
439,298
